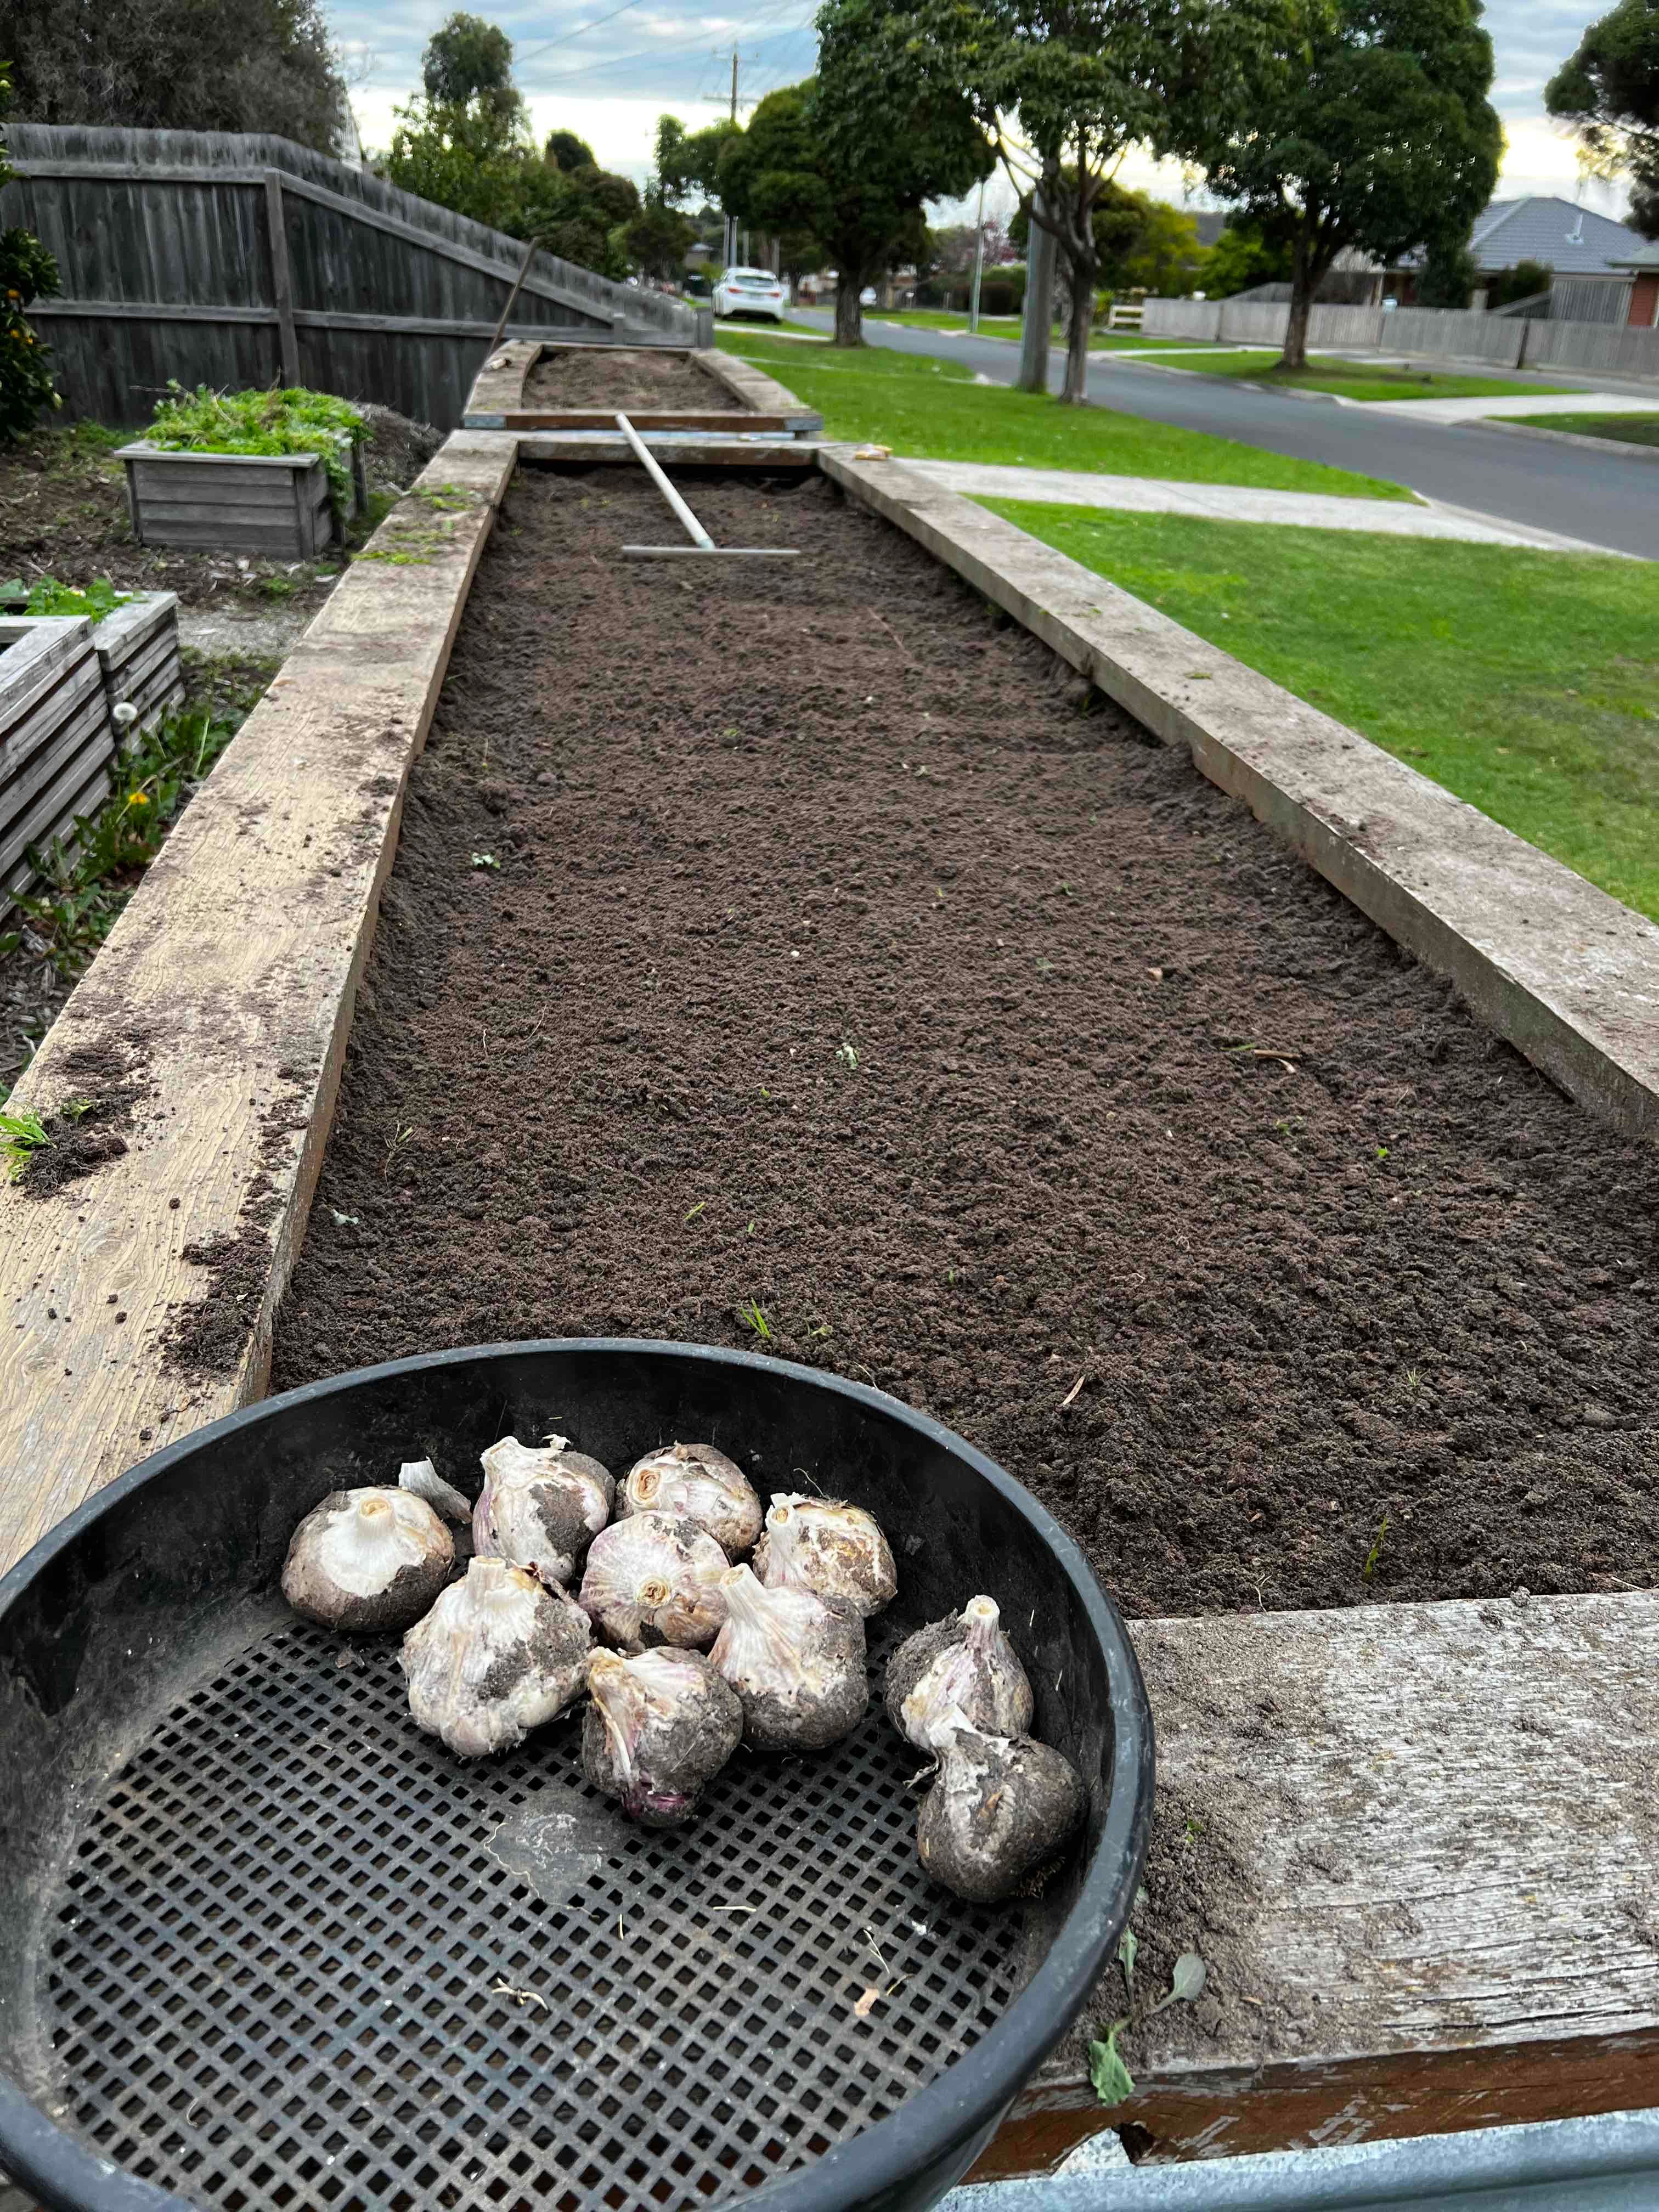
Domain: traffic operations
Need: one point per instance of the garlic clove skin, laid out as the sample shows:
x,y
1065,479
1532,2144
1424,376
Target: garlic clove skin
x,y
964,1661
541,1505
499,1654
796,1661
420,1477
1000,1809
695,1482
651,1579
829,1547
366,1560
660,1726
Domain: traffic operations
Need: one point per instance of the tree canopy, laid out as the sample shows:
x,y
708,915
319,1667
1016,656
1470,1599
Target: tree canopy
x,y
27,272
469,61
189,65
1372,130
1141,243
1609,92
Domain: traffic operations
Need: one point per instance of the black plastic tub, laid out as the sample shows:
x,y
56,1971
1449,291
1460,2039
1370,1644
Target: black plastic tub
x,y
263,1945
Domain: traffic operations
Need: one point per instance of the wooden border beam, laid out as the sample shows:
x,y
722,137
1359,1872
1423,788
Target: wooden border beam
x,y
226,992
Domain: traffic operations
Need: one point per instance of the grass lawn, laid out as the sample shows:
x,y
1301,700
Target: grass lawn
x,y
1358,380
934,410
1622,429
1524,682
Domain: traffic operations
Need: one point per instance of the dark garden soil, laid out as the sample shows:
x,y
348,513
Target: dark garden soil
x,y
661,382
966,1041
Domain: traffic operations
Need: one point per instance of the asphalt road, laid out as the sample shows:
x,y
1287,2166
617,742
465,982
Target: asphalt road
x,y
1529,480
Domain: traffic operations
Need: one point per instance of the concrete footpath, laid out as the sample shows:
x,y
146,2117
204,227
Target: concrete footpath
x,y
1238,503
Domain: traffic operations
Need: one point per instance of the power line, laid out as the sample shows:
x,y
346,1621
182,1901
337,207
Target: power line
x,y
580,32
642,59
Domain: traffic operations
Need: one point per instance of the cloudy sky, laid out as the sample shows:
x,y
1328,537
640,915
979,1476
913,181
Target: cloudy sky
x,y
609,70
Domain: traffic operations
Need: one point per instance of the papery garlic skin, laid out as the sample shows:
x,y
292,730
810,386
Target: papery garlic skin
x,y
422,1479
366,1559
964,1663
827,1547
661,1724
796,1661
695,1482
541,1505
499,1654
651,1579
1000,1809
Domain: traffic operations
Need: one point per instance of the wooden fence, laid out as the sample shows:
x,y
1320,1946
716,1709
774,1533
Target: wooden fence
x,y
214,258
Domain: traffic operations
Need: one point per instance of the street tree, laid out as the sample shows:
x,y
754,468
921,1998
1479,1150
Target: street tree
x,y
469,63
191,65
1372,130
1609,93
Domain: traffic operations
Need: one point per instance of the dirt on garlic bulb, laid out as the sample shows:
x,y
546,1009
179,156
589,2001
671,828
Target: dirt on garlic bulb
x,y
499,1654
827,1547
1001,1807
964,1663
653,1579
695,1482
661,1725
541,1505
366,1559
797,1661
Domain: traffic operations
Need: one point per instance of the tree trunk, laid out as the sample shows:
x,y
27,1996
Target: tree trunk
x,y
1304,284
1075,390
1039,314
849,315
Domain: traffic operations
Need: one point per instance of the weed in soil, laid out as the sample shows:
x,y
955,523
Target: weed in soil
x,y
1029,1178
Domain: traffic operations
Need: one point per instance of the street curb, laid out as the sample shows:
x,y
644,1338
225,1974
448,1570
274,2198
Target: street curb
x,y
1622,448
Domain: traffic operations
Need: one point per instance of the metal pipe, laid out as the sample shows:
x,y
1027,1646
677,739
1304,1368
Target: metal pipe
x,y
695,529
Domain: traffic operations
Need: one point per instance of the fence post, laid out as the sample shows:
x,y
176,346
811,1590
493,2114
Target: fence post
x,y
1525,322
281,282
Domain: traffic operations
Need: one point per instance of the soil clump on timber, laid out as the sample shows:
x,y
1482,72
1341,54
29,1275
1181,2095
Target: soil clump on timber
x,y
654,382
848,986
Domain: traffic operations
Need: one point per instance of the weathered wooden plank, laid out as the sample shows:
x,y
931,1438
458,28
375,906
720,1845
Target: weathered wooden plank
x,y
149,311
228,985
75,754
760,393
281,284
35,650
1567,974
600,418
686,448
1417,1847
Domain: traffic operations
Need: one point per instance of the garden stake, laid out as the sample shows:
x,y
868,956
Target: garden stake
x,y
700,541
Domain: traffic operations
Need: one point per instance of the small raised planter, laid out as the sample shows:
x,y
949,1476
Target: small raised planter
x,y
56,736
137,649
742,401
277,504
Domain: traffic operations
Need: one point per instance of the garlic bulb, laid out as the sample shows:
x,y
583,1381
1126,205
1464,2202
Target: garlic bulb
x,y
652,1579
540,1505
1000,1808
661,1725
963,1661
499,1654
367,1559
695,1482
829,1547
421,1477
796,1661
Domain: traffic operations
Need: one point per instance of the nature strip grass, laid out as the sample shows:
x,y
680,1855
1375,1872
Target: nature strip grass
x,y
934,410
1618,429
1523,682
1362,382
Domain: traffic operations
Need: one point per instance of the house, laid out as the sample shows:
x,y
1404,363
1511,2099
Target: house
x,y
1560,235
1643,271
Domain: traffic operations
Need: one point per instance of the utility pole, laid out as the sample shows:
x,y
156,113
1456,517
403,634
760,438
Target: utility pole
x,y
731,221
1037,330
979,260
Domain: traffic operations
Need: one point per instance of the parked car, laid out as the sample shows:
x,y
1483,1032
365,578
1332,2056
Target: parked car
x,y
867,296
751,292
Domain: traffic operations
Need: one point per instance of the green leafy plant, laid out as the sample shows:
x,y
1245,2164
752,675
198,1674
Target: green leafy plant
x,y
295,421
21,1136
50,598
1375,1552
27,272
753,1319
1112,2078
1185,1982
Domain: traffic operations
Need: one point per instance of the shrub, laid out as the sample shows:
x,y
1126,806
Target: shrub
x,y
292,422
1524,282
27,272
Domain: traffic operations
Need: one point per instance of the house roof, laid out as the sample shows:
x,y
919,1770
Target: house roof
x,y
1570,240
1646,260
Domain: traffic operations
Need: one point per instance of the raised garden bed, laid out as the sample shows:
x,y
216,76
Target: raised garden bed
x,y
277,504
137,649
527,386
56,736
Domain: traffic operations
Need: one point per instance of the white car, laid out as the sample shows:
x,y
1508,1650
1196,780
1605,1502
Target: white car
x,y
751,292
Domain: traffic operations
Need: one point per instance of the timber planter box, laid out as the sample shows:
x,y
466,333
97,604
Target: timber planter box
x,y
56,736
530,384
277,504
137,649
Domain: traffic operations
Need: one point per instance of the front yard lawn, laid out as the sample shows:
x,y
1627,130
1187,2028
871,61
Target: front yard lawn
x,y
1361,380
1524,682
1622,429
934,410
